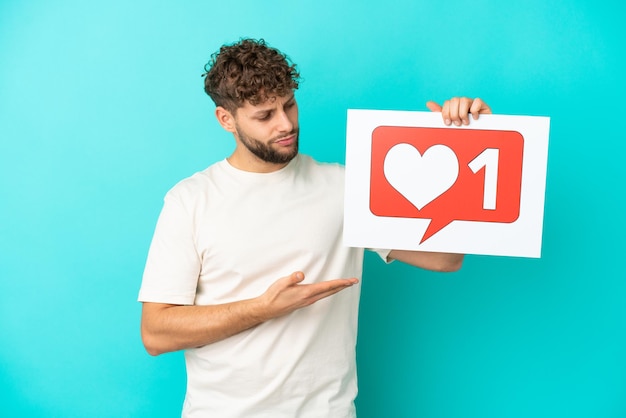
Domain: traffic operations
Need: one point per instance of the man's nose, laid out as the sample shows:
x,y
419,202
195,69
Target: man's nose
x,y
284,123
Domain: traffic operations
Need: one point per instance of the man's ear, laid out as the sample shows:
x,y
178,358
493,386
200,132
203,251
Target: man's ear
x,y
225,118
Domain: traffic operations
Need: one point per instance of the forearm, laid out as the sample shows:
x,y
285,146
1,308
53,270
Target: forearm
x,y
166,328
443,262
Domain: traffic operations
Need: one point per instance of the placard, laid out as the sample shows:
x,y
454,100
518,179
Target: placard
x,y
413,183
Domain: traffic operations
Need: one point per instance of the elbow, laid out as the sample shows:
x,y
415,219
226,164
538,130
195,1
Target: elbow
x,y
154,338
149,346
153,351
151,343
450,265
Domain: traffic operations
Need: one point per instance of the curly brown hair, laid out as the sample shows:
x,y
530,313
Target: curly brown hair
x,y
248,70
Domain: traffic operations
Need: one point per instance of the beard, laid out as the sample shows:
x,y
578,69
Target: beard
x,y
265,151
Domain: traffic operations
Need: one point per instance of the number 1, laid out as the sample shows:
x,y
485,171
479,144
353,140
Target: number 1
x,y
488,159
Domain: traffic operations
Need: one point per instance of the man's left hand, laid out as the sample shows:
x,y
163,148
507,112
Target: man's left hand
x,y
457,110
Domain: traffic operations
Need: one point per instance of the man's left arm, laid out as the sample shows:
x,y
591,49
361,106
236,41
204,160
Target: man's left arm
x,y
454,111
443,262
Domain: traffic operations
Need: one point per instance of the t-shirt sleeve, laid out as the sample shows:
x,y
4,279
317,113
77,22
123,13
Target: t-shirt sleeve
x,y
382,253
173,264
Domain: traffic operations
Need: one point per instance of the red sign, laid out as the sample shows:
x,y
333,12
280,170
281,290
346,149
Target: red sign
x,y
446,175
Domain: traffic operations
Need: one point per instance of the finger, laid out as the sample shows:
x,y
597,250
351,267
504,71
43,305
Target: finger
x,y
286,282
445,112
478,107
331,286
464,106
454,111
295,278
321,296
315,296
433,106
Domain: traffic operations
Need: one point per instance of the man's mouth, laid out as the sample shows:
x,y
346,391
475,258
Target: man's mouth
x,y
287,141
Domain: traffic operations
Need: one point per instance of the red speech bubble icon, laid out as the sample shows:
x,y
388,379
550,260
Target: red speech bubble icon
x,y
446,175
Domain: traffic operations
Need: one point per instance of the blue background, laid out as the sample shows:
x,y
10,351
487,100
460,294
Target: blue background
x,y
102,111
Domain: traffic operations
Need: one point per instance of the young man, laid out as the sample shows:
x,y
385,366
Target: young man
x,y
247,271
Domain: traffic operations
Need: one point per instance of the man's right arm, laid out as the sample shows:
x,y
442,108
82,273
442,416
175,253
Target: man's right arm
x,y
166,327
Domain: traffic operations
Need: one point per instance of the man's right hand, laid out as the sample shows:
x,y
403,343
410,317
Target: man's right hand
x,y
288,294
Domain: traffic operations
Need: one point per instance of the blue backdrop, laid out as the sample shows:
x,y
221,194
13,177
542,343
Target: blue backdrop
x,y
102,111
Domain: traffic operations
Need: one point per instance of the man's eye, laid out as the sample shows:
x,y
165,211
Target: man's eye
x,y
265,117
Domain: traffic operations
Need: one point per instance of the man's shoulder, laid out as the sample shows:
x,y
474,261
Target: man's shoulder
x,y
330,168
196,183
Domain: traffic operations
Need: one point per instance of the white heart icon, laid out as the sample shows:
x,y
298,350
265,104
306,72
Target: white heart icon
x,y
421,178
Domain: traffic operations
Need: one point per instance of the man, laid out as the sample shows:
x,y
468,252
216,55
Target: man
x,y
247,272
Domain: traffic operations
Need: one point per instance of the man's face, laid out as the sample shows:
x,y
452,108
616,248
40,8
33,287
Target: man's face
x,y
269,130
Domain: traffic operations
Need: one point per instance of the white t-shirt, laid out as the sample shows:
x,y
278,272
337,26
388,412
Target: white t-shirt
x,y
226,235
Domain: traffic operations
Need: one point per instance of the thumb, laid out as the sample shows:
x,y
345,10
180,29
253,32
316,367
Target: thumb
x,y
433,107
296,277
